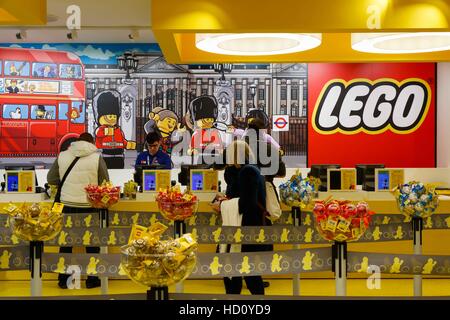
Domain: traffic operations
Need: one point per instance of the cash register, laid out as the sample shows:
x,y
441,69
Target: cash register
x,y
151,179
202,180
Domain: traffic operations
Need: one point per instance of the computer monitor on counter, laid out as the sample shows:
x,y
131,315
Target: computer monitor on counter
x,y
321,171
365,175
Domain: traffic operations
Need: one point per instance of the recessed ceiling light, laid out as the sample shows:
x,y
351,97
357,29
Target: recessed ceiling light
x,y
256,44
396,43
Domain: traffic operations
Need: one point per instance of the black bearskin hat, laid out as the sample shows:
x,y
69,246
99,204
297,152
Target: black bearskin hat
x,y
107,102
204,107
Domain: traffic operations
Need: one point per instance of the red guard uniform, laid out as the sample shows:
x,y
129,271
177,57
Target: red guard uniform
x,y
206,137
105,142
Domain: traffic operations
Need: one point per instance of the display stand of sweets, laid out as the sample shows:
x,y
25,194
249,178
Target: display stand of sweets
x,y
298,192
130,190
416,199
341,220
102,196
175,205
152,262
35,222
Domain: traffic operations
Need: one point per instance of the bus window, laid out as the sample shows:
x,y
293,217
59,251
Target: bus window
x,y
44,70
17,68
1,64
78,116
70,71
15,111
43,112
63,111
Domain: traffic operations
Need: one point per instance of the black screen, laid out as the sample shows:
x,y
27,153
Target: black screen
x,y
335,180
321,171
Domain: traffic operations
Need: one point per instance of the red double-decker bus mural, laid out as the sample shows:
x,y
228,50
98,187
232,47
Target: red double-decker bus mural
x,y
42,101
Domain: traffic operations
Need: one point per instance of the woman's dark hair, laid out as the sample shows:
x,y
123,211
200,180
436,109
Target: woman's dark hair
x,y
86,136
153,137
258,118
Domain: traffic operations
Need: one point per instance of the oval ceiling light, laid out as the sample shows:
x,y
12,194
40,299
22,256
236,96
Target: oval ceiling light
x,y
397,43
256,44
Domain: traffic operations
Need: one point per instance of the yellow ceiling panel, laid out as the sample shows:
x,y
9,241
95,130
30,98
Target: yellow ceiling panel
x,y
23,12
175,24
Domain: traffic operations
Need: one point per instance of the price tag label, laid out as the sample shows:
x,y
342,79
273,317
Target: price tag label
x,y
10,208
340,237
331,224
58,207
105,199
343,225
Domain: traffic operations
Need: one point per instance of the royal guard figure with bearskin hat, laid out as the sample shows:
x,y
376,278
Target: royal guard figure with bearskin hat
x,y
109,137
204,114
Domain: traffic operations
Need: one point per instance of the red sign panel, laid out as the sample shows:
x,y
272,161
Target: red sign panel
x,y
372,113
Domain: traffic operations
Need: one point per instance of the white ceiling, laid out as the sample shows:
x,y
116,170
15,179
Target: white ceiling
x,y
102,21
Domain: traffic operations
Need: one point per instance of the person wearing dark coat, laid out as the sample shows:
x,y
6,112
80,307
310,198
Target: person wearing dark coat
x,y
246,182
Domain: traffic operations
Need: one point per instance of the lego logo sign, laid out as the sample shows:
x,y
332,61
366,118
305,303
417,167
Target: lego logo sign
x,y
362,113
372,106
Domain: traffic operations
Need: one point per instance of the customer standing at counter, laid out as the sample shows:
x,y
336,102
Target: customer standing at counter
x,y
86,167
154,155
246,182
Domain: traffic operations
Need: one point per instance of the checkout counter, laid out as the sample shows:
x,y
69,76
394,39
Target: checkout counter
x,y
205,183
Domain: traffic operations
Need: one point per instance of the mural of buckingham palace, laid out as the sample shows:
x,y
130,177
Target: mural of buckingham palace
x,y
278,89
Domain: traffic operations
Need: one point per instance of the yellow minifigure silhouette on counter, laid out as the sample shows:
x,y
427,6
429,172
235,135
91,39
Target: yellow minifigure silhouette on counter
x,y
386,220
275,265
153,219
87,220
364,265
194,234
245,268
376,233
399,233
290,220
285,235
122,270
115,221
307,220
261,236
429,223
7,223
135,218
308,235
428,267
307,261
69,222
4,259
62,238
191,220
212,220
92,266
87,238
14,239
238,235
216,234
112,239
215,266
447,221
61,266
395,268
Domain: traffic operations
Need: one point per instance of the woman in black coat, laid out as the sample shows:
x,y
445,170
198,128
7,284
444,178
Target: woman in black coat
x,y
247,183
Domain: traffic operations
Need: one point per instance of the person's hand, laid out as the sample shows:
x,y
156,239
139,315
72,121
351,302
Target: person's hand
x,y
131,145
216,206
